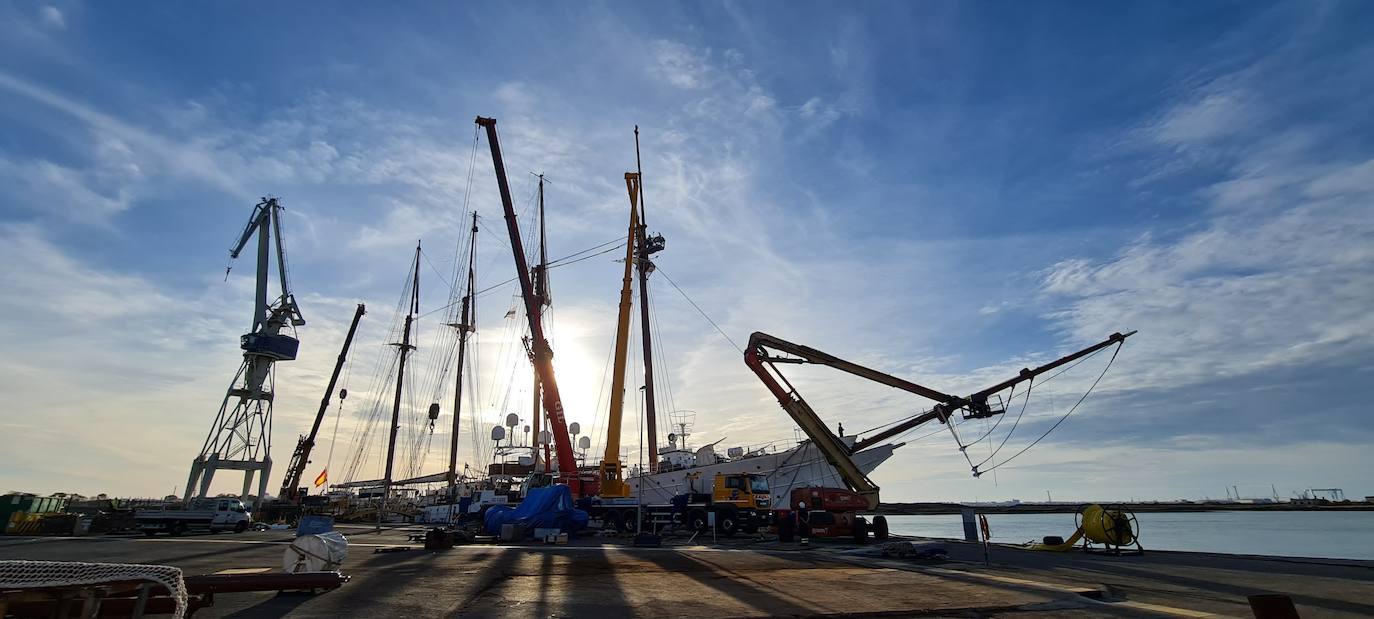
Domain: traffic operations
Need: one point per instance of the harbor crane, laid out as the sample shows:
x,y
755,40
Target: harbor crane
x,y
758,355
240,437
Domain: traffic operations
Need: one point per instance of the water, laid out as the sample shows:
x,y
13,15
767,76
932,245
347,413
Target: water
x,y
1332,535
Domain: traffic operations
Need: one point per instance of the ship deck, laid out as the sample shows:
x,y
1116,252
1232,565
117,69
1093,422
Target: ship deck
x,y
734,578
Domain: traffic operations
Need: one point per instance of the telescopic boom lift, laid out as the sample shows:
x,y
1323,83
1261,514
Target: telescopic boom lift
x,y
975,406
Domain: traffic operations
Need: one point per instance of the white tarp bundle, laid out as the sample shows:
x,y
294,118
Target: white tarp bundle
x,y
322,552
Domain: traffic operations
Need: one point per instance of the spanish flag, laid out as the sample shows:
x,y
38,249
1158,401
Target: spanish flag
x,y
322,479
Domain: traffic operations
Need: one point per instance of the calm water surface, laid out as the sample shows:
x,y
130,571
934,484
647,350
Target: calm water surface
x,y
1334,535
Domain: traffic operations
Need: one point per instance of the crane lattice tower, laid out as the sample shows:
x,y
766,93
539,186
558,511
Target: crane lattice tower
x,y
241,436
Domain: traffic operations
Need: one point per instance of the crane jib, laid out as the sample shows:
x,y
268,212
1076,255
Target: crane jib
x,y
542,353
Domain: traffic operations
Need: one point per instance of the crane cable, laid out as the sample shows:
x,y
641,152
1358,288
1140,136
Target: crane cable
x,y
1085,395
338,413
659,268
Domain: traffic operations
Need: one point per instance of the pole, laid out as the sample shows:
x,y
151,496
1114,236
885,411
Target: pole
x,y
400,380
466,324
650,413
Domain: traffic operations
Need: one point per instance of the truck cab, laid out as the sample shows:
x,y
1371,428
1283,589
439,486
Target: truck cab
x,y
742,490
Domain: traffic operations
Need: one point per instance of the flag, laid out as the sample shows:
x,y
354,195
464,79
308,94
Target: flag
x,y
322,479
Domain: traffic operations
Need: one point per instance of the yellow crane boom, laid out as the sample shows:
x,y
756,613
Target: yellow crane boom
x,y
612,471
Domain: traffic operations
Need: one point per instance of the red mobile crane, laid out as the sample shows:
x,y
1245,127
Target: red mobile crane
x,y
541,354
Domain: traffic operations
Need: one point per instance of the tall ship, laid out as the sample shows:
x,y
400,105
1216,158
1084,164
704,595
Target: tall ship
x,y
682,469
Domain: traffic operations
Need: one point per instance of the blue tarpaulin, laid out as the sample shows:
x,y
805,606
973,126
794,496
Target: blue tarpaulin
x,y
544,508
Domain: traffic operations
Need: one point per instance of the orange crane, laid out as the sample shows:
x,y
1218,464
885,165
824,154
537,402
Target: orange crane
x,y
541,354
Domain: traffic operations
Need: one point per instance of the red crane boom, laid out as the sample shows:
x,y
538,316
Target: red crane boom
x,y
541,354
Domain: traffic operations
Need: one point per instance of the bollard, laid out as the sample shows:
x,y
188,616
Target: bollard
x,y
970,524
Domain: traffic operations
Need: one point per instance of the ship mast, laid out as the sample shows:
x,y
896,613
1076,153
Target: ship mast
x,y
643,249
541,293
414,311
467,324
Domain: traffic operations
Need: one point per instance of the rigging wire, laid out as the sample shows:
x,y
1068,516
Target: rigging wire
x,y
659,268
1061,419
560,262
661,353
338,413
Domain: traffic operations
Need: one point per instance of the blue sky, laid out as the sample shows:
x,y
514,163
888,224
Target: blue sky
x,y
948,191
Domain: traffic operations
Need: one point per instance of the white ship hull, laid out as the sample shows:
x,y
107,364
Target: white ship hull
x,y
802,466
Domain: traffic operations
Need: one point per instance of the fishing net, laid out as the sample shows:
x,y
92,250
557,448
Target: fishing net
x,y
52,574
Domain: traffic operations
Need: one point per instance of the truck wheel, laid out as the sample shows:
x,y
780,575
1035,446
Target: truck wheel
x,y
176,529
696,520
241,526
727,522
611,521
880,528
149,532
626,522
861,530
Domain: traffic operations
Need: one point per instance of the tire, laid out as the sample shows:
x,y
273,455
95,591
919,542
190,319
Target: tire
x,y
150,532
626,523
176,529
860,530
727,522
611,520
241,526
787,530
696,520
880,528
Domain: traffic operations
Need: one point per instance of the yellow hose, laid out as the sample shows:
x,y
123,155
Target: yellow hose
x,y
1064,547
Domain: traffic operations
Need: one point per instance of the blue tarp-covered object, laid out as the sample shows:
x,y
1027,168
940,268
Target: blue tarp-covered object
x,y
544,508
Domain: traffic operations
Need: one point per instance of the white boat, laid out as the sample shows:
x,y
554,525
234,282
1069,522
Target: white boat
x,y
803,466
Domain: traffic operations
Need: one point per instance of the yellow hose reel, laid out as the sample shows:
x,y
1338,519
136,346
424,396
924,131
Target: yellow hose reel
x,y
1106,530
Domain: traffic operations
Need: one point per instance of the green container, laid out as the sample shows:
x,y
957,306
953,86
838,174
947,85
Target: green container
x,y
11,504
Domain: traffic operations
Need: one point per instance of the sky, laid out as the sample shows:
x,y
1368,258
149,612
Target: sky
x,y
945,191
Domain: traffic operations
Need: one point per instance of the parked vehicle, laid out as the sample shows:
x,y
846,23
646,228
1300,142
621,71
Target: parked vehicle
x,y
214,515
736,503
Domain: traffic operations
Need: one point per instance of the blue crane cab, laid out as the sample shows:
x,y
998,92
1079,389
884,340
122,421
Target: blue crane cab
x,y
278,347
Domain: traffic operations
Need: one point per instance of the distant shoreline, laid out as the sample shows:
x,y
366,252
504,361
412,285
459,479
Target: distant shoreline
x,y
916,509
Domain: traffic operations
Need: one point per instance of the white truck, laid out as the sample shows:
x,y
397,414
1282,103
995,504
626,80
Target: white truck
x,y
214,515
